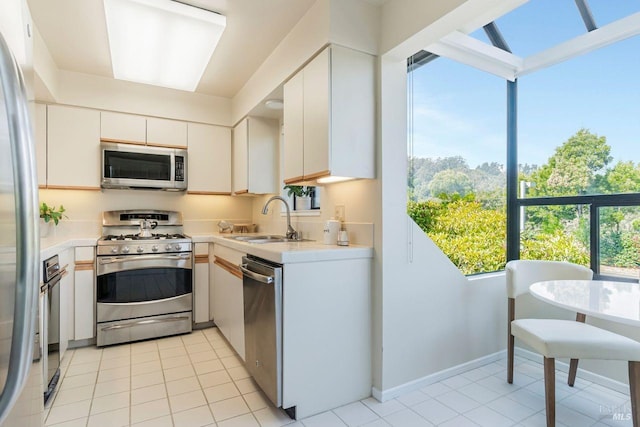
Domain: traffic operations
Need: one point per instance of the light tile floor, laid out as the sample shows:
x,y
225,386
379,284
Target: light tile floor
x,y
197,380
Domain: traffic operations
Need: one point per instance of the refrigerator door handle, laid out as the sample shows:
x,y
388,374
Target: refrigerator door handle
x,y
27,238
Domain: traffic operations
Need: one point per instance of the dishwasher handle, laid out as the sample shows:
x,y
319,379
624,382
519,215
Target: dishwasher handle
x,y
255,276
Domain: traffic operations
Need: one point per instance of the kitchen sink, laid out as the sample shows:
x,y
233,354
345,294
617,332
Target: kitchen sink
x,y
267,238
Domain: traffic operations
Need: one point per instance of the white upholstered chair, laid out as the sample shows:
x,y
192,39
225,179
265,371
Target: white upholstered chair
x,y
554,338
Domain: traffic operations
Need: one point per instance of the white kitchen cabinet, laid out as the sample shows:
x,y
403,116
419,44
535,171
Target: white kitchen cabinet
x,y
227,302
171,133
201,283
255,154
73,148
326,334
84,293
329,117
293,156
134,129
40,135
121,127
67,315
209,159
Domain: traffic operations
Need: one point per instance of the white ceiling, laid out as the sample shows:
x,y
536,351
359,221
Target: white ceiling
x,y
76,35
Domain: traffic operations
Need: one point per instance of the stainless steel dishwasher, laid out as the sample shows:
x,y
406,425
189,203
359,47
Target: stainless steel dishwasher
x,y
262,291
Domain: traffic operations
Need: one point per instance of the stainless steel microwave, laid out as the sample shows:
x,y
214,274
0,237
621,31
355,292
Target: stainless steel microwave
x,y
143,167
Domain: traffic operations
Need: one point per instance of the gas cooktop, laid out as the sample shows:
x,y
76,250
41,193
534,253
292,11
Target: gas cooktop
x,y
121,237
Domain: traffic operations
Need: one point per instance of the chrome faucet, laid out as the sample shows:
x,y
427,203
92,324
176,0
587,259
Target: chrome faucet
x,y
291,233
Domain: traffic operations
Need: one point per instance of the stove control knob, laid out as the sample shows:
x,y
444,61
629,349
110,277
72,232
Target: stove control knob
x,y
114,250
140,249
126,250
154,248
167,248
177,247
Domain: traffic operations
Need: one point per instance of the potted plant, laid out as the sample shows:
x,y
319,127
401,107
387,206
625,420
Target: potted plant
x,y
302,194
49,214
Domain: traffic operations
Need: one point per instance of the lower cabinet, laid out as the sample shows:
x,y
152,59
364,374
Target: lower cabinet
x,y
84,294
67,315
201,283
227,303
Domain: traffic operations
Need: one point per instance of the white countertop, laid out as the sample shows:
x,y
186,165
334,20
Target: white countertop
x,y
288,252
51,246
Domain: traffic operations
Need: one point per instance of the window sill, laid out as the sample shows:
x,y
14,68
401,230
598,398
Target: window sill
x,y
484,276
312,212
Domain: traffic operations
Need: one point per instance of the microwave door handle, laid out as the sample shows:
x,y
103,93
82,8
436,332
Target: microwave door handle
x,y
27,239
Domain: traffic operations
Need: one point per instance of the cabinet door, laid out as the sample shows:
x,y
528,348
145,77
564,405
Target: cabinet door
x,y
262,149
209,159
293,130
84,294
120,127
67,315
240,158
316,116
201,281
165,132
40,132
73,153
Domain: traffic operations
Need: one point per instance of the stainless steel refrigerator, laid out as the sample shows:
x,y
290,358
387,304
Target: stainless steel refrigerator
x,y
20,372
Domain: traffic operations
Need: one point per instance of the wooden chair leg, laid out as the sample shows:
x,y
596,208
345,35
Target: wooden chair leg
x,y
634,388
510,339
573,365
550,390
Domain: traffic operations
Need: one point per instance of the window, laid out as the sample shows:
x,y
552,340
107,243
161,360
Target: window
x,y
456,182
572,164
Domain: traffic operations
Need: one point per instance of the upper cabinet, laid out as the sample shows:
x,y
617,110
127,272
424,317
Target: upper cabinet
x,y
133,129
255,154
209,159
120,127
73,148
329,117
169,133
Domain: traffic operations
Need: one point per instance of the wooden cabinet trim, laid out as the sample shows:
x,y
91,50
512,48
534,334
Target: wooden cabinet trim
x,y
122,141
317,175
294,180
228,266
84,265
201,259
210,193
154,144
69,187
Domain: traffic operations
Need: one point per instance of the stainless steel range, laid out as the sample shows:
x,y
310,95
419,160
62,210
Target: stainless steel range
x,y
144,276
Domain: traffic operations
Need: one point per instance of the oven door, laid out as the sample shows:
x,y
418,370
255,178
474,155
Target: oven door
x,y
136,286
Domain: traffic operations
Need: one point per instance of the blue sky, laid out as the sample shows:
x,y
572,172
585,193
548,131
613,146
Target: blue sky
x,y
462,111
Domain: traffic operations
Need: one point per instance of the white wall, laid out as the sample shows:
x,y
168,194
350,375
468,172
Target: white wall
x,y
200,212
428,316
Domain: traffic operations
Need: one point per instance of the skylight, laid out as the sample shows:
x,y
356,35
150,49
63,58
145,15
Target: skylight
x,y
161,42
553,31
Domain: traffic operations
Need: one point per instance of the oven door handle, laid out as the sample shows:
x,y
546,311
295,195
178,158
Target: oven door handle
x,y
144,322
113,260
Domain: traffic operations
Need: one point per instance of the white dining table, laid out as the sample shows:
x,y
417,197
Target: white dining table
x,y
615,301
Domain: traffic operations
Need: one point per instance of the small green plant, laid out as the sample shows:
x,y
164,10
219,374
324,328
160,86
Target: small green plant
x,y
298,190
50,213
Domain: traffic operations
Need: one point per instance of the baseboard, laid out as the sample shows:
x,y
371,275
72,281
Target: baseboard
x,y
582,373
384,395
203,325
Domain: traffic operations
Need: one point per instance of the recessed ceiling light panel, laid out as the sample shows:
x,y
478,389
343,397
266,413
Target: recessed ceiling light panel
x,y
161,42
